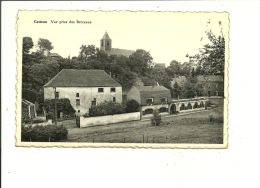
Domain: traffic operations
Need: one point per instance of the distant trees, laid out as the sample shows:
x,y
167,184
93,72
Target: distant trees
x,y
27,44
44,45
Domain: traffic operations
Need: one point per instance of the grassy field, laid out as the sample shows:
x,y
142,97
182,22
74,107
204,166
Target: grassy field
x,y
189,128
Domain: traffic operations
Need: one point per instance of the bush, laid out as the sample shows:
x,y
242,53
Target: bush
x,y
49,133
156,119
106,108
216,118
38,121
132,106
63,105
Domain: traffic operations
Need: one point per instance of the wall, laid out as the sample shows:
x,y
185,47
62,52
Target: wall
x,y
104,120
86,95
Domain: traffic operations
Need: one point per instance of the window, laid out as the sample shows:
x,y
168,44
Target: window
x,y
94,102
78,111
77,94
112,89
101,90
107,43
164,100
209,86
149,101
216,85
77,102
114,99
102,43
57,95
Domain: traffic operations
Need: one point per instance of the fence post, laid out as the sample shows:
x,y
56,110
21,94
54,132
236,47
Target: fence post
x,y
147,138
143,138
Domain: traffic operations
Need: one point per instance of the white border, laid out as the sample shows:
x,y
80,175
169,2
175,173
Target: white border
x,y
237,166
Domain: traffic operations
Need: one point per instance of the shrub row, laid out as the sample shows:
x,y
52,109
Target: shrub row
x,y
111,108
49,133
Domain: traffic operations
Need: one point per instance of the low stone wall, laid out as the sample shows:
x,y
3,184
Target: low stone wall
x,y
104,120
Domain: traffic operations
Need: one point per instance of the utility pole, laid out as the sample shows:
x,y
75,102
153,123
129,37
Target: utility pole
x,y
55,103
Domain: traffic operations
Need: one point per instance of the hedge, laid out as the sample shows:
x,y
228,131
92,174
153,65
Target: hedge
x,y
39,133
106,108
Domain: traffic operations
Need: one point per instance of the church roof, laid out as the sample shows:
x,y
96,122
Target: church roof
x,y
105,36
82,78
117,51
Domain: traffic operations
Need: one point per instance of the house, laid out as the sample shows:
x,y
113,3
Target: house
x,y
84,88
213,85
150,98
54,56
106,46
29,109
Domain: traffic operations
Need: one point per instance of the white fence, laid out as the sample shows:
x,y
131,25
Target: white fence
x,y
104,120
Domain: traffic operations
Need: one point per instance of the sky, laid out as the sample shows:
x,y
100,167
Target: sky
x,y
166,35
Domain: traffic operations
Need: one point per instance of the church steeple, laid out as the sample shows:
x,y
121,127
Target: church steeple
x,y
105,42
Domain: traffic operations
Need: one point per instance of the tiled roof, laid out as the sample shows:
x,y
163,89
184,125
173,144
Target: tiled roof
x,y
105,36
210,78
82,78
117,51
155,92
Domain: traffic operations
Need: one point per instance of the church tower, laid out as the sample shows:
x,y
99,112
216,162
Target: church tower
x,y
105,42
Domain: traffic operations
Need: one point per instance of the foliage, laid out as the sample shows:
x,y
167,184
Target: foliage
x,y
49,133
63,105
87,52
44,45
191,88
179,69
132,106
139,61
211,58
106,108
176,90
156,119
27,44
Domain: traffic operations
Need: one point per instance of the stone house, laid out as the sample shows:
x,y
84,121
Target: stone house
x,y
213,85
150,98
84,88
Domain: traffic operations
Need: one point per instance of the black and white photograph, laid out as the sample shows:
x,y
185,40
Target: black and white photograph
x,y
122,79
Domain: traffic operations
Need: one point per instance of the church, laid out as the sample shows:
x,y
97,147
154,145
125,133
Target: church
x,y
106,45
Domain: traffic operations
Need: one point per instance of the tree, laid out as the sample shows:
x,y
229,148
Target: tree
x,y
211,58
174,69
63,105
139,61
27,45
87,52
44,46
176,90
156,119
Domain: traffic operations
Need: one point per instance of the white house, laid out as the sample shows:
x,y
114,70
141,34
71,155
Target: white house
x,y
84,88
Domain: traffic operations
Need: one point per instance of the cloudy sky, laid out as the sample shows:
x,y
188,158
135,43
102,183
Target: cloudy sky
x,y
167,36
